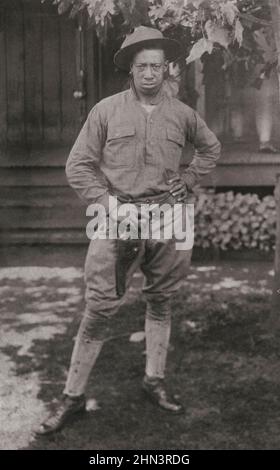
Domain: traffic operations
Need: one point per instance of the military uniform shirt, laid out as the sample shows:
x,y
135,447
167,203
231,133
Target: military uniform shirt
x,y
123,149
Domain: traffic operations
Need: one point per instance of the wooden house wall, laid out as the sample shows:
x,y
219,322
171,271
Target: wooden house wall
x,y
38,74
39,119
41,54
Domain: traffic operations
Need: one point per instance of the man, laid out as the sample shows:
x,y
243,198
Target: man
x,y
129,146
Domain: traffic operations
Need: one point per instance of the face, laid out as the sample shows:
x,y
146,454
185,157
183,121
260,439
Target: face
x,y
148,70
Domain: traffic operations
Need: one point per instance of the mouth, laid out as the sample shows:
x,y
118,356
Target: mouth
x,y
149,84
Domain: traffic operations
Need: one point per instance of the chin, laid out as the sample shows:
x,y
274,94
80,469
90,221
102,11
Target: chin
x,y
150,88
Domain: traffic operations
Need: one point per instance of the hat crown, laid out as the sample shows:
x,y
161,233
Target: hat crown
x,y
145,37
141,33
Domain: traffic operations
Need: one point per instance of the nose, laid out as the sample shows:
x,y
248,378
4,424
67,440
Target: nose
x,y
148,72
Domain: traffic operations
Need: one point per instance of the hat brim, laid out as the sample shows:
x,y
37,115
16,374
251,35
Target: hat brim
x,y
172,48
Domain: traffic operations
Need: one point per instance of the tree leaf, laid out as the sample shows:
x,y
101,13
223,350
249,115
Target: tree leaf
x,y
217,33
238,32
77,6
199,48
132,5
135,12
230,11
63,6
196,3
261,40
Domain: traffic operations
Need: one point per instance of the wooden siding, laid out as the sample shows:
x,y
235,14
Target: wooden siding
x,y
39,120
41,55
37,75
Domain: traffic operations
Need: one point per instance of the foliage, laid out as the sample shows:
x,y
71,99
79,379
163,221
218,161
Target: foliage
x,y
235,221
217,20
240,30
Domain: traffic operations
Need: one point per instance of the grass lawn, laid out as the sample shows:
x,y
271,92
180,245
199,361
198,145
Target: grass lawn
x,y
222,364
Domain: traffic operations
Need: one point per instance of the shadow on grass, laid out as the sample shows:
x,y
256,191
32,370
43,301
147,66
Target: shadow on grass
x,y
222,365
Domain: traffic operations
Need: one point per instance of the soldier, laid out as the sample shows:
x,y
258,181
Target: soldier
x,y
131,147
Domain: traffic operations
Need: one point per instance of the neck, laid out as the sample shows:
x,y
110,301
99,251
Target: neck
x,y
147,98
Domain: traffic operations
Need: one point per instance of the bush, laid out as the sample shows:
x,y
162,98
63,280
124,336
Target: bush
x,y
234,221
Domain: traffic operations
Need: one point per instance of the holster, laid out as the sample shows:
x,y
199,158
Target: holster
x,y
127,252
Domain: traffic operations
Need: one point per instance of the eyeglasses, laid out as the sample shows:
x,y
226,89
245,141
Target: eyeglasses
x,y
154,67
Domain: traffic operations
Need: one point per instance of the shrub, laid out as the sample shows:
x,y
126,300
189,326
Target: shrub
x,y
234,221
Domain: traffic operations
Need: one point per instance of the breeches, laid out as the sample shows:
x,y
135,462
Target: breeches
x,y
164,269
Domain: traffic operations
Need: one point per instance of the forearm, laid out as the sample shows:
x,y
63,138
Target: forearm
x,y
202,164
83,165
87,180
207,152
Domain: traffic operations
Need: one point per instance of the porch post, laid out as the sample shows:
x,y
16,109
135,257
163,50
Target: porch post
x,y
200,88
275,17
81,91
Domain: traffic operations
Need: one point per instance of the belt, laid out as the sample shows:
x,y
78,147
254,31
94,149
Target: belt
x,y
154,199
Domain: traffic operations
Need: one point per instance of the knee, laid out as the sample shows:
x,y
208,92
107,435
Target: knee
x,y
102,301
94,327
159,307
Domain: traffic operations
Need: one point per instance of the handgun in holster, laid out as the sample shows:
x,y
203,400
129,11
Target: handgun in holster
x,y
127,252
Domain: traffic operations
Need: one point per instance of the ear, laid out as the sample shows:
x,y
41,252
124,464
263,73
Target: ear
x,y
166,69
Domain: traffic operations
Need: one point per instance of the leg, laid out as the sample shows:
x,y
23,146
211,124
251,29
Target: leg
x,y
165,269
157,329
102,303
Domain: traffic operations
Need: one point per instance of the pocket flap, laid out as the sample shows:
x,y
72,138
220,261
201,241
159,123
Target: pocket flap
x,y
176,136
118,132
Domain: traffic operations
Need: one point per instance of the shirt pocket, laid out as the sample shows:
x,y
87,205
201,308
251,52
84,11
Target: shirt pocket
x,y
175,141
120,146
